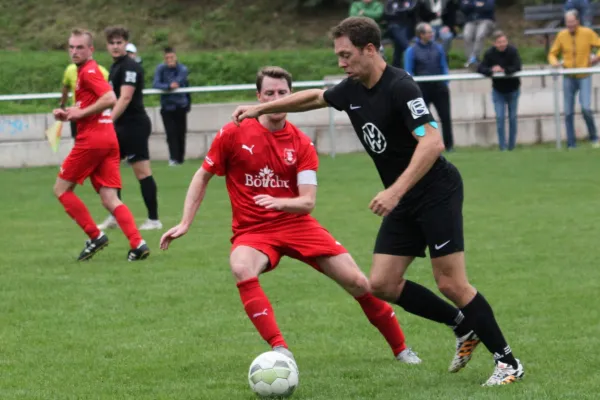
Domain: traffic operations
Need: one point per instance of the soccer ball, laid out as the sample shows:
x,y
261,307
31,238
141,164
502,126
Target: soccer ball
x,y
273,374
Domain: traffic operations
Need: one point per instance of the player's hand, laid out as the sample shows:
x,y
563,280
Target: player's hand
x,y
384,202
497,68
174,85
172,234
268,202
243,112
59,114
594,60
74,113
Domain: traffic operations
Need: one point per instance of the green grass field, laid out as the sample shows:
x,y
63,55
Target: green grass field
x,y
173,327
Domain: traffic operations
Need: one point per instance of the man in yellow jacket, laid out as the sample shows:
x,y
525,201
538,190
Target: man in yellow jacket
x,y
575,44
69,82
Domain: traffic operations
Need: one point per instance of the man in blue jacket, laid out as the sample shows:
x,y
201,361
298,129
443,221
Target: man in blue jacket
x,y
171,75
427,57
479,24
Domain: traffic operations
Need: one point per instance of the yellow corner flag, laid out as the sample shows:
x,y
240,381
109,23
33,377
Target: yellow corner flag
x,y
53,134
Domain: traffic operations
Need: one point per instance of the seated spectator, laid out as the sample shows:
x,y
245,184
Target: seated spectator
x,y
479,24
443,21
583,9
367,8
401,19
503,57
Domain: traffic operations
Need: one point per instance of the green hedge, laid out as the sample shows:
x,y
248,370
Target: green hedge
x,y
40,72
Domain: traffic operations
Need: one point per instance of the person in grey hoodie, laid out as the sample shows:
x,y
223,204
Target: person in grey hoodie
x,y
174,107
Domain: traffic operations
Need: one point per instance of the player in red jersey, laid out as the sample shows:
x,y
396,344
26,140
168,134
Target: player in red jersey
x,y
95,154
270,170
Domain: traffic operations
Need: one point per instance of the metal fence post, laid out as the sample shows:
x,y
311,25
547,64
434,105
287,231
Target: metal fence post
x,y
556,91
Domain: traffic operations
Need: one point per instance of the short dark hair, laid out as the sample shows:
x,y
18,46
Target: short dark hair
x,y
360,30
498,34
272,72
169,49
83,32
113,32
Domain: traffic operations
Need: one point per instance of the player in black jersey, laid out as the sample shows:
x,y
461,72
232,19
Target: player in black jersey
x,y
132,124
423,196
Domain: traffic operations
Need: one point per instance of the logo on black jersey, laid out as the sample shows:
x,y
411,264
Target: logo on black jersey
x,y
130,76
373,137
417,107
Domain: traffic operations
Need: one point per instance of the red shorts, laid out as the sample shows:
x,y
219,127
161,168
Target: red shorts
x,y
304,239
102,166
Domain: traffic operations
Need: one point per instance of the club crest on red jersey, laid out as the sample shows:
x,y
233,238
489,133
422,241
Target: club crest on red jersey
x,y
289,156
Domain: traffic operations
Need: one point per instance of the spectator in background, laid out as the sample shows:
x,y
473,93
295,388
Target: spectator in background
x,y
503,57
583,8
426,57
69,83
174,107
132,52
401,20
575,44
444,20
368,8
479,24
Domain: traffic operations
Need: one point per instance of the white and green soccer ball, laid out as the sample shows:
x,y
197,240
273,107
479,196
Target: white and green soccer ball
x,y
273,374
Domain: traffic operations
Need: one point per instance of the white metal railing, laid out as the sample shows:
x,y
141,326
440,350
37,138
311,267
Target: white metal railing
x,y
555,73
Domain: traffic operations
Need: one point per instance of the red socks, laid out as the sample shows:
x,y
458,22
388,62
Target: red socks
x,y
79,212
127,224
382,316
260,312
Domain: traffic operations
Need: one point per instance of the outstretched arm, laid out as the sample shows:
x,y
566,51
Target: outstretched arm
x,y
193,199
305,100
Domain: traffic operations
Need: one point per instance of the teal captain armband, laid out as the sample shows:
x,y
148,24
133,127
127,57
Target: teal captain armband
x,y
420,131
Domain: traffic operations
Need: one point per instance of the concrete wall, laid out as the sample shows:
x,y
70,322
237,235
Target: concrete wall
x,y
22,140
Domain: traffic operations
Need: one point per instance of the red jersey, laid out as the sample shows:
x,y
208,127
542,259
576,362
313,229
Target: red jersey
x,y
93,131
256,161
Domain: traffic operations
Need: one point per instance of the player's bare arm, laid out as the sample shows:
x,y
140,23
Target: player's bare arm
x,y
304,100
428,150
193,199
107,100
123,101
304,203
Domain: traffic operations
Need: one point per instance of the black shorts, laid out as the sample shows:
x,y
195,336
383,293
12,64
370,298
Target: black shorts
x,y
432,220
133,136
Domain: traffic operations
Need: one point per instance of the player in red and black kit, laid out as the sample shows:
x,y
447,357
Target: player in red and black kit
x,y
423,197
95,154
270,169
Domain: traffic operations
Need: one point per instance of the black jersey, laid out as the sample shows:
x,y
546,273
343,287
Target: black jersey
x,y
126,71
384,118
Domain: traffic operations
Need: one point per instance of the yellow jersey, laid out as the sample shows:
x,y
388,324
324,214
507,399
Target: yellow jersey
x,y
70,78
